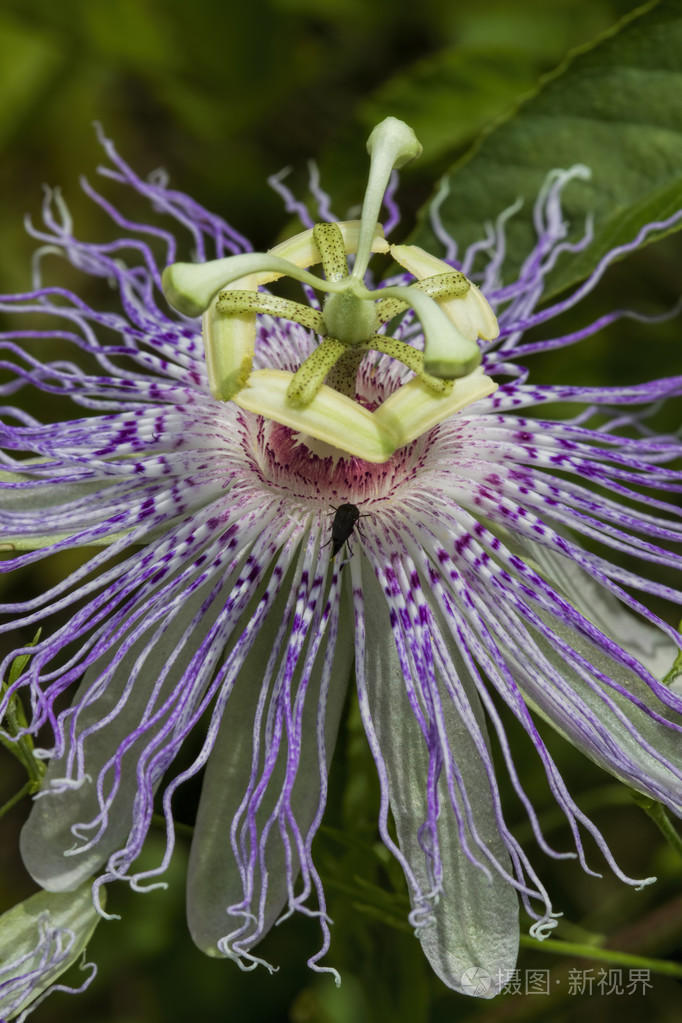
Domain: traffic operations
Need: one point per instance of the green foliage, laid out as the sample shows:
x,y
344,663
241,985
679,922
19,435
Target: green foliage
x,y
491,53
613,106
13,722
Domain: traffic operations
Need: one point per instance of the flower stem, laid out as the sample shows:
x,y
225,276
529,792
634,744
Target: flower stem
x,y
658,814
25,790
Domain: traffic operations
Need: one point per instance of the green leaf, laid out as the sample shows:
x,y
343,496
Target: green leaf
x,y
497,54
491,54
614,106
447,98
605,955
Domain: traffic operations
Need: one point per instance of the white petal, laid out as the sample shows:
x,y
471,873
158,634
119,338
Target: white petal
x,y
476,918
43,496
46,837
649,645
641,751
214,882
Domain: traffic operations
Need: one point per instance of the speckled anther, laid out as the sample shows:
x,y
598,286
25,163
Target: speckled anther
x,y
309,378
332,251
447,285
234,303
410,357
342,377
442,286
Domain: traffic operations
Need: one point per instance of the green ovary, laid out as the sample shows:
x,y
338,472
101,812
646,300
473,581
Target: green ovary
x,y
350,317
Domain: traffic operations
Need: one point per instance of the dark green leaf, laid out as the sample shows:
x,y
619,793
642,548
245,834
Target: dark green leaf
x,y
614,106
492,53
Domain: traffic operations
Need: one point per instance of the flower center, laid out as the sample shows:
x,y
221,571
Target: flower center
x,y
319,398
307,469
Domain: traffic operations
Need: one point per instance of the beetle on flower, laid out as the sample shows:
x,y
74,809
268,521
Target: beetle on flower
x,y
345,521
201,478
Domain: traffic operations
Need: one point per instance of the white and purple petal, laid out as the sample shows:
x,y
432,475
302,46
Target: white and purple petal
x,y
499,558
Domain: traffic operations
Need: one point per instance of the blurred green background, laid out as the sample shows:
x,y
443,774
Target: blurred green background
x,y
222,95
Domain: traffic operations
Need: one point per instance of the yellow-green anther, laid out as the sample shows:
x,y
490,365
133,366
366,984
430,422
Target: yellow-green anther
x,y
228,347
387,308
412,410
331,417
191,287
410,357
343,376
302,251
441,286
470,313
332,249
447,353
348,427
233,303
450,285
309,377
340,364
391,145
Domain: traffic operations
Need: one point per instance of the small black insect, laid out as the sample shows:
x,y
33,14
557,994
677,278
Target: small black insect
x,y
343,525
